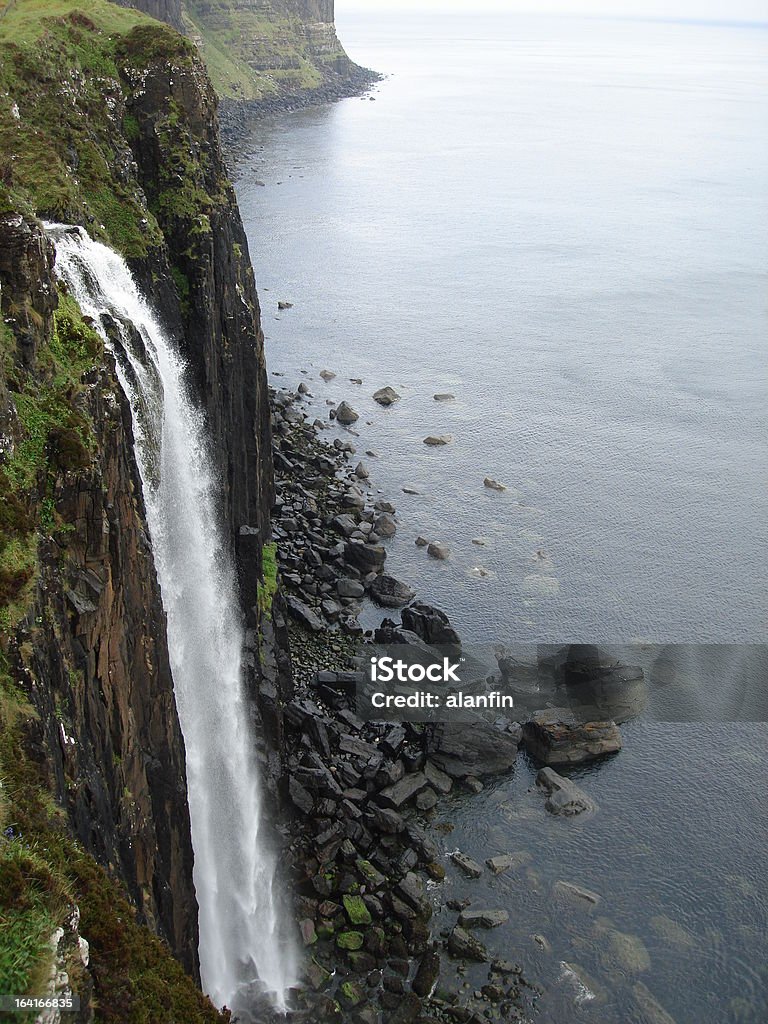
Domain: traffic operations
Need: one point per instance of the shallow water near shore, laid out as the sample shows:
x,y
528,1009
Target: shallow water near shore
x,y
562,224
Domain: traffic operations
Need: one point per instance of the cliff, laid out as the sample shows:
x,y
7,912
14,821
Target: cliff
x,y
108,120
268,52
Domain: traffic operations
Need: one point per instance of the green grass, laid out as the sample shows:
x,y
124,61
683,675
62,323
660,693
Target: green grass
x,y
55,438
59,145
266,588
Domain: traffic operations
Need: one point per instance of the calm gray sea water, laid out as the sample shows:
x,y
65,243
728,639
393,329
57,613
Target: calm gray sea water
x,y
564,224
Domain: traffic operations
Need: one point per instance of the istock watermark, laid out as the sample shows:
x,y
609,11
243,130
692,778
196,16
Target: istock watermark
x,y
613,682
426,684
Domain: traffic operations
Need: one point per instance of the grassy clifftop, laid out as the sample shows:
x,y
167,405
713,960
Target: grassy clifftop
x,y
64,130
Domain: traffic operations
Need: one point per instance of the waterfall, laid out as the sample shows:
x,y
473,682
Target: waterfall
x,y
246,951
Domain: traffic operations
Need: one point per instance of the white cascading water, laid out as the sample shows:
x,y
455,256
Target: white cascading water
x,y
246,951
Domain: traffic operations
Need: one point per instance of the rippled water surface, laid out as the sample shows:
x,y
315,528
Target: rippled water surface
x,y
563,223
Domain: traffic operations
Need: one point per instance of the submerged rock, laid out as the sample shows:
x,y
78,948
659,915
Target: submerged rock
x,y
493,485
437,549
436,440
575,894
507,861
565,797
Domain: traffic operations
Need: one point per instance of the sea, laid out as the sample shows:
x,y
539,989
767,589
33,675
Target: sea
x,y
563,223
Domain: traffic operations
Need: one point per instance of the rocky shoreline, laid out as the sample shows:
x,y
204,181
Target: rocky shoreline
x,y
237,116
361,854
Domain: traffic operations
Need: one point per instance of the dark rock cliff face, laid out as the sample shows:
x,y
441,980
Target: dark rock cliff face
x,y
86,642
269,52
213,310
92,653
169,11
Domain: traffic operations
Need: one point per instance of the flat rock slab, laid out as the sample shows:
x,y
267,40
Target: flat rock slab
x,y
565,797
470,867
483,918
401,792
556,737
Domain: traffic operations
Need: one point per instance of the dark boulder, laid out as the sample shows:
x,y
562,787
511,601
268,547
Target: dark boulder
x,y
466,749
390,592
429,623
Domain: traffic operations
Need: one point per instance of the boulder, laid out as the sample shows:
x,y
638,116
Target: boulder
x,y
507,861
427,973
346,414
361,471
429,623
564,797
386,820
493,485
300,797
349,588
462,944
304,614
349,940
436,440
327,375
357,912
344,523
467,749
437,779
365,557
386,396
438,550
384,525
555,737
390,592
401,792
465,864
410,889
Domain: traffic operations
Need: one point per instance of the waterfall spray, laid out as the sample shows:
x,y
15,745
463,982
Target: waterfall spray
x,y
246,951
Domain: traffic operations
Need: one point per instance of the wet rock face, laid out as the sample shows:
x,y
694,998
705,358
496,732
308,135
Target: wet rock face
x,y
92,655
